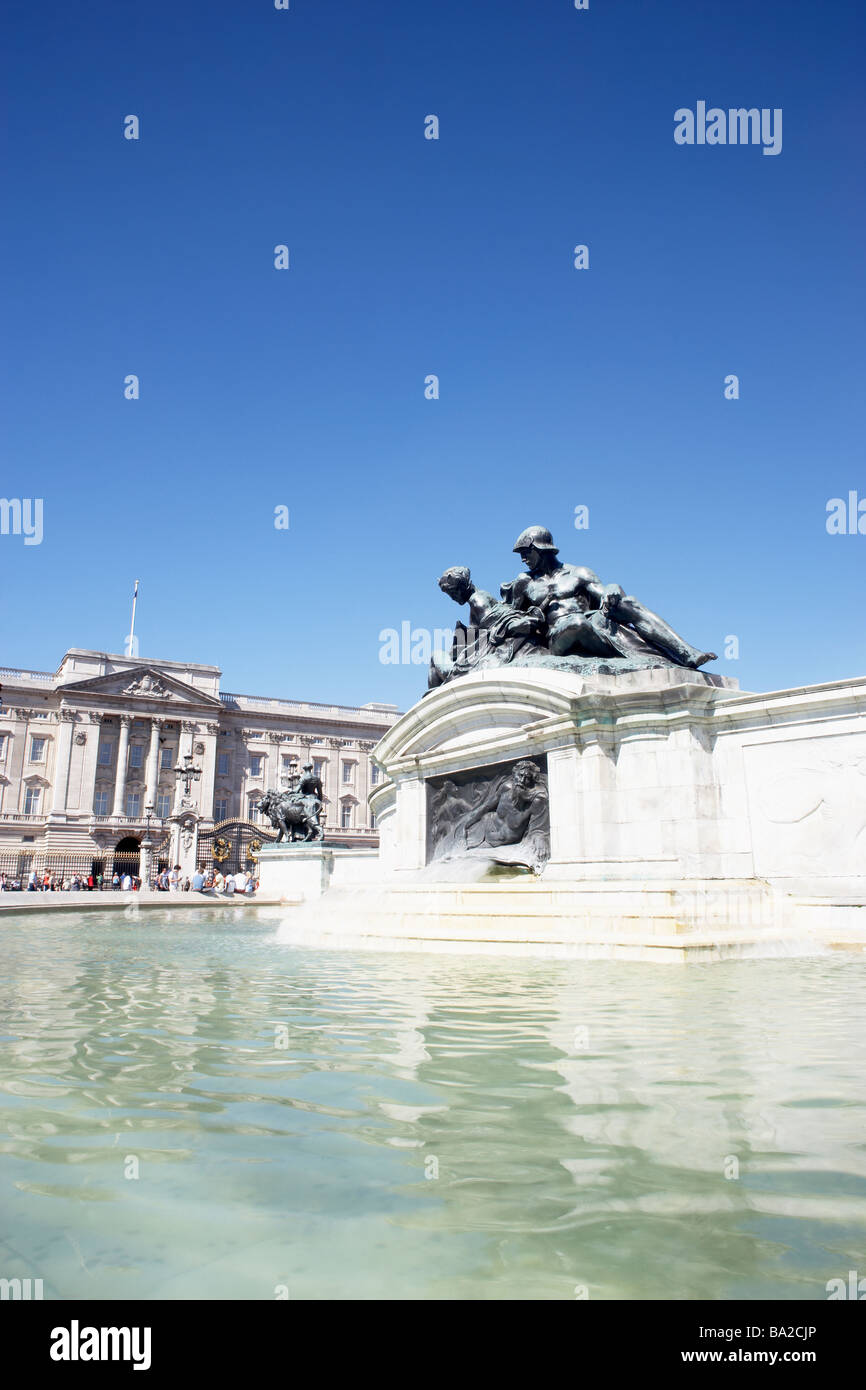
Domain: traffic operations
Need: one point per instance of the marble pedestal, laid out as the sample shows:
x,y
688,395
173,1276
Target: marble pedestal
x,y
666,774
686,816
295,872
302,872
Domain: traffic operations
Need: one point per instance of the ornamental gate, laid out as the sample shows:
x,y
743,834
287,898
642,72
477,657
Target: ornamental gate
x,y
18,864
232,846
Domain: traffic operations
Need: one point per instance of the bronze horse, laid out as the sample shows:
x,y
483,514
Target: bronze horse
x,y
294,817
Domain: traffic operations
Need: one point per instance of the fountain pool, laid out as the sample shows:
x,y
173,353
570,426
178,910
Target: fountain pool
x,y
192,1109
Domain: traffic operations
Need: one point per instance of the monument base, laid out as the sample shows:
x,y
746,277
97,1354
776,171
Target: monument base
x,y
687,820
669,775
649,920
303,871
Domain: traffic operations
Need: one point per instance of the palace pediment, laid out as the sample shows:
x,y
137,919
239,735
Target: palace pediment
x,y
145,683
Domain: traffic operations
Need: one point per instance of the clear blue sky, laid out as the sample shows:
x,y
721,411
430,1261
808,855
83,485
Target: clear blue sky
x,y
306,388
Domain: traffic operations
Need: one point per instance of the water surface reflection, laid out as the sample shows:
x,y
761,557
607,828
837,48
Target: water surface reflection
x,y
364,1125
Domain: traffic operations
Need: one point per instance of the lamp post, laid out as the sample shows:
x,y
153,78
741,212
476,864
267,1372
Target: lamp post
x,y
185,819
289,779
145,848
187,773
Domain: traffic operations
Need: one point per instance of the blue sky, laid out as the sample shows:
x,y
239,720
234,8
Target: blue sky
x,y
305,388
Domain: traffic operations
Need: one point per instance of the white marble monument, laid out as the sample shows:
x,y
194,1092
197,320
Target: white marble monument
x,y
687,819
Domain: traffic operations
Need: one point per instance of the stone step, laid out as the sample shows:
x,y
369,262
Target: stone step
x,y
574,902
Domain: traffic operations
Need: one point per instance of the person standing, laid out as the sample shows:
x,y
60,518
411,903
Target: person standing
x,y
125,882
174,880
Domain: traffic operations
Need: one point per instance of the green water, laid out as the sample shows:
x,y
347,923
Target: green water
x,y
434,1127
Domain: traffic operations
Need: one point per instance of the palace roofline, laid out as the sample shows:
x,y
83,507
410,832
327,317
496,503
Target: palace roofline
x,y
261,703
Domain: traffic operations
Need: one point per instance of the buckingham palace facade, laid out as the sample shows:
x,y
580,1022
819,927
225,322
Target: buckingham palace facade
x,y
89,760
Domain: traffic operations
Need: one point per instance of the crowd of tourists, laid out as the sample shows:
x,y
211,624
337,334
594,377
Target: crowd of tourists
x,y
49,882
212,881
168,881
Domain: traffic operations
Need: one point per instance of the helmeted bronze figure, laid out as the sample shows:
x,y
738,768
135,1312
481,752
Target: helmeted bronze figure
x,y
587,617
557,616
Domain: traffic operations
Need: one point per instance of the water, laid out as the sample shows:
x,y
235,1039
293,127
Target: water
x,y
435,1127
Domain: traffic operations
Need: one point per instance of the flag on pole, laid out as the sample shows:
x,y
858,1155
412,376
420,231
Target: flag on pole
x,y
131,647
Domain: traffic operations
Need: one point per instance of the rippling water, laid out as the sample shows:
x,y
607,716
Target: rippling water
x,y
339,1125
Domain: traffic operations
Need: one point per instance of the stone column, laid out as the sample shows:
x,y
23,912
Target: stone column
x,y
596,802
144,860
91,761
210,739
61,761
185,744
120,773
411,819
563,784
152,764
187,845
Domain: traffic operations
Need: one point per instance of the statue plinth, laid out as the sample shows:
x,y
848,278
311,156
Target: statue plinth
x,y
302,872
296,872
556,773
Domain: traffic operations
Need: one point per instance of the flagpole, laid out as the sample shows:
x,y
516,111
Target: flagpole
x,y
131,639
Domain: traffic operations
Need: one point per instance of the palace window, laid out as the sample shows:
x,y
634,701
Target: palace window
x,y
256,764
31,800
136,754
163,804
100,801
2,746
374,774
166,759
37,750
346,815
223,764
254,810
220,808
372,820
348,771
104,758
133,804
320,768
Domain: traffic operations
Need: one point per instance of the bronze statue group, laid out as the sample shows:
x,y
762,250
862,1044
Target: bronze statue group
x,y
557,616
